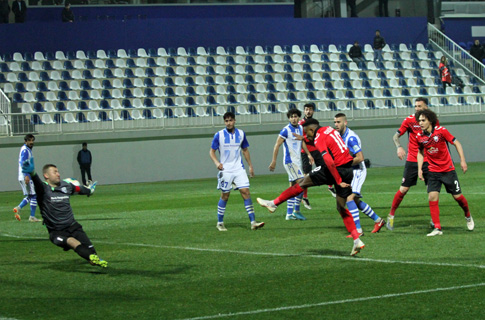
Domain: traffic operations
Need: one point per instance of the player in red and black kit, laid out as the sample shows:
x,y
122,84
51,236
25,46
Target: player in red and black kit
x,y
308,110
337,171
433,142
410,175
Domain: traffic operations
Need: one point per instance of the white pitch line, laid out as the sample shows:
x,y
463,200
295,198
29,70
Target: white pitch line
x,y
320,304
273,254
359,259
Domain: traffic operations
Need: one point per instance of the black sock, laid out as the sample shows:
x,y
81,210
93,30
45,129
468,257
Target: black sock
x,y
84,251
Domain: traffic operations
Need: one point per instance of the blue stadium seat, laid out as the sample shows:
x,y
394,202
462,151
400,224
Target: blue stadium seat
x,y
147,114
41,86
125,115
63,86
88,64
128,94
35,119
168,113
126,103
60,106
148,93
38,107
46,65
61,95
39,96
384,83
110,64
81,118
103,116
128,84
104,104
108,73
129,73
82,105
148,103
106,94
329,85
330,95
19,87
25,66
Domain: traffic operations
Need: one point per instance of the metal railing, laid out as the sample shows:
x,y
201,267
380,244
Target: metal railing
x,y
5,118
456,53
263,113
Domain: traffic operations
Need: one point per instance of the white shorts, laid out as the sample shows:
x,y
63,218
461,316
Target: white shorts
x,y
294,171
358,180
226,181
27,189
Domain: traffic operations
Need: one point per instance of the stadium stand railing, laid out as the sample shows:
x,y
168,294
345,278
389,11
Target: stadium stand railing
x,y
5,116
455,52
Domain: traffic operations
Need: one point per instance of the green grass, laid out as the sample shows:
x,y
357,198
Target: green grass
x,y
168,261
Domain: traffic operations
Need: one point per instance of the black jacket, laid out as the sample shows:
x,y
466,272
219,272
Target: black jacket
x,y
67,15
355,52
477,52
379,42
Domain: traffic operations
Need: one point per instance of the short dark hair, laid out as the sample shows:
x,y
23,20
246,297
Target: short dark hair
x,y
85,144
422,99
309,105
311,121
67,4
229,114
47,166
428,114
28,137
340,115
292,112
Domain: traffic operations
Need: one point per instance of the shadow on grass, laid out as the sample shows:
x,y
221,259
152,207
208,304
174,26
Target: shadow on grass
x,y
99,219
326,252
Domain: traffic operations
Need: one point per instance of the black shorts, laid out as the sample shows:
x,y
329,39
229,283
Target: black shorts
x,y
410,175
321,175
306,166
59,237
448,179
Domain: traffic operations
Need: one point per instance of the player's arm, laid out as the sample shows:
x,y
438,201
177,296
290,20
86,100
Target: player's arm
x,y
333,170
401,153
212,154
359,157
459,149
277,145
309,155
247,156
420,157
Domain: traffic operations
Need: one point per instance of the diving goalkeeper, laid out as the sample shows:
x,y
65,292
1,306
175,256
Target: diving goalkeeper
x,y
53,200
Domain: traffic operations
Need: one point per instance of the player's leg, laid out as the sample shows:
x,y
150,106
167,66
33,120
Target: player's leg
x,y
224,183
354,211
33,202
241,181
410,177
83,174
452,185
88,171
357,184
24,201
293,204
348,222
307,168
434,188
83,246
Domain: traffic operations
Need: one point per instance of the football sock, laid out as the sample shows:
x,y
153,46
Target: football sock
x,y
248,204
298,202
24,202
435,214
290,204
349,223
221,208
464,205
33,205
288,193
396,202
84,251
354,211
305,193
367,210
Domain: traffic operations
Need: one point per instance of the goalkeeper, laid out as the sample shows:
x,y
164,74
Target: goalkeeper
x,y
53,200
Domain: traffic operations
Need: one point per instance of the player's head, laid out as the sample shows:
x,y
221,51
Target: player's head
x,y
443,60
229,120
421,103
29,140
51,174
311,126
294,116
340,122
309,109
427,119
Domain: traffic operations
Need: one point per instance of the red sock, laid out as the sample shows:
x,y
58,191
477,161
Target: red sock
x,y
349,223
288,193
305,193
396,202
435,213
464,205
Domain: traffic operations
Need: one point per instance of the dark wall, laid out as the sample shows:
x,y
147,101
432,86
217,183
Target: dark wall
x,y
460,29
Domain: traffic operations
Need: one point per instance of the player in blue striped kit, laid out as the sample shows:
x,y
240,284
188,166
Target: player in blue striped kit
x,y
352,141
292,159
26,181
231,142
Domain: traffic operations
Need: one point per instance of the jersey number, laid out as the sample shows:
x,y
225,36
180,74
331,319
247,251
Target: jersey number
x,y
339,142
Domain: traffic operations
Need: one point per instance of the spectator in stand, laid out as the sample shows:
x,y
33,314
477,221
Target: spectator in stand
x,y
445,73
4,11
355,53
19,9
379,44
353,8
383,8
477,51
67,15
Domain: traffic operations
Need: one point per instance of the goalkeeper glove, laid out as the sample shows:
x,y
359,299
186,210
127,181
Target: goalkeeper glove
x,y
92,187
28,166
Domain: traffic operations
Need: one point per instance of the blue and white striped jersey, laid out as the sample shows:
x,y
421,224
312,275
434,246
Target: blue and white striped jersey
x,y
25,153
352,141
230,146
291,146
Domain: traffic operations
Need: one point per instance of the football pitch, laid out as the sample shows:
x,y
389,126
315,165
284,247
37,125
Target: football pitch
x,y
167,260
